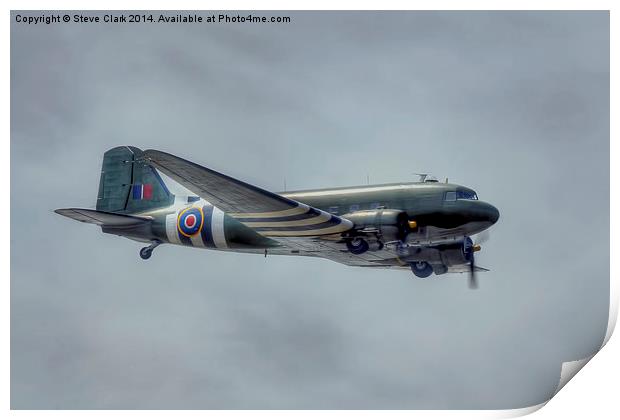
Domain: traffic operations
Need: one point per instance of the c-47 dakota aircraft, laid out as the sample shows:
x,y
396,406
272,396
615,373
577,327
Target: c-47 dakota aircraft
x,y
422,226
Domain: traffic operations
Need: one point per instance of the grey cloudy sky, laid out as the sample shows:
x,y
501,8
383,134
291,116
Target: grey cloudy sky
x,y
514,105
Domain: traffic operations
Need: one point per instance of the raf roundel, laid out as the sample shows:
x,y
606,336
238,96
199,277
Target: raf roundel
x,y
190,221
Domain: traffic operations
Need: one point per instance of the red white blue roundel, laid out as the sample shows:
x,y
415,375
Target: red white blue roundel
x,y
190,221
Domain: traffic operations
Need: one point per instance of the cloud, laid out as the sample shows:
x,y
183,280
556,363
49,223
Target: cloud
x,y
513,104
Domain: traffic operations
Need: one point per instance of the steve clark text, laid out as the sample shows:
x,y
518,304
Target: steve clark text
x,y
146,18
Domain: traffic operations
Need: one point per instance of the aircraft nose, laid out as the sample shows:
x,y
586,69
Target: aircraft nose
x,y
491,213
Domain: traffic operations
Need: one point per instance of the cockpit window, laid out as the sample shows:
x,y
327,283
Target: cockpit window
x,y
460,195
466,195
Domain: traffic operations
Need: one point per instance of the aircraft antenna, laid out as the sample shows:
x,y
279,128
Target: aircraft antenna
x,y
422,176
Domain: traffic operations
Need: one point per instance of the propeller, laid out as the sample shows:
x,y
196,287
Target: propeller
x,y
475,247
473,281
482,237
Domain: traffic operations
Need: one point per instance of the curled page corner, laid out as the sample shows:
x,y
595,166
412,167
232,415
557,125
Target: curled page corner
x,y
570,369
613,312
519,412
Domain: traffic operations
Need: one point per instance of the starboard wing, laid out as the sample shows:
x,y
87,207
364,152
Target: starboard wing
x,y
465,268
268,213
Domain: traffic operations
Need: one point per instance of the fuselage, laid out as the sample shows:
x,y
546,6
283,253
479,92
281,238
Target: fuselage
x,y
443,213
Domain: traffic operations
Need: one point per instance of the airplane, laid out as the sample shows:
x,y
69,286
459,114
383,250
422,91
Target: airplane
x,y
425,226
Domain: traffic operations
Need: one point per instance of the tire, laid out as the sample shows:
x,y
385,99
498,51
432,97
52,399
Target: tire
x,y
357,246
145,253
421,269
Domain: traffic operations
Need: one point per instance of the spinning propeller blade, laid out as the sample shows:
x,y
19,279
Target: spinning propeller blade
x,y
473,281
480,239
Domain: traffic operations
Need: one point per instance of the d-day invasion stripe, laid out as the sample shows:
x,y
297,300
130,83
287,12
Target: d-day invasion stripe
x,y
302,208
315,232
315,220
217,228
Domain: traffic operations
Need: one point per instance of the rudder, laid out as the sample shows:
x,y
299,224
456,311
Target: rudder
x,y
128,184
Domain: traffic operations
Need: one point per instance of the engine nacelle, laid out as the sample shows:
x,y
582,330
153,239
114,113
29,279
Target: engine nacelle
x,y
444,254
456,254
384,224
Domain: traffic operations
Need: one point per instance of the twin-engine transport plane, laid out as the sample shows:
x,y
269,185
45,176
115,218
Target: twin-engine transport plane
x,y
423,226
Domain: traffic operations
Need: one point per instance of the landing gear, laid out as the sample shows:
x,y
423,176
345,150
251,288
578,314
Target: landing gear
x,y
402,249
147,251
357,246
375,246
421,269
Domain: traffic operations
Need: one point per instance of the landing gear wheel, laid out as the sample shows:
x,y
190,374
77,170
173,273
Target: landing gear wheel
x,y
421,269
146,252
357,246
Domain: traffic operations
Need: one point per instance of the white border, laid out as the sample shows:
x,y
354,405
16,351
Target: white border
x,y
599,383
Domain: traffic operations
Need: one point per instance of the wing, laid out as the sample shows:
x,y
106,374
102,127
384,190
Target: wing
x,y
464,268
338,252
102,218
268,213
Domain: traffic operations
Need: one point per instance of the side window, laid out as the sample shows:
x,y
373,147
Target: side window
x,y
354,207
374,206
333,210
450,196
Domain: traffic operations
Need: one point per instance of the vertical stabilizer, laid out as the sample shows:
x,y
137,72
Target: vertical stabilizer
x,y
128,184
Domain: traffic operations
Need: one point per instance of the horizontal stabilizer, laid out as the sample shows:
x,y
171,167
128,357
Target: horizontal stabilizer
x,y
102,218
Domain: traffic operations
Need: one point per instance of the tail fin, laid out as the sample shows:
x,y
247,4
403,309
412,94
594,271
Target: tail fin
x,y
128,184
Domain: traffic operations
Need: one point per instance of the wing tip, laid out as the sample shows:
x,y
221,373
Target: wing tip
x,y
64,211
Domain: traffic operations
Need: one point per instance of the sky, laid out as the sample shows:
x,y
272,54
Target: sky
x,y
512,104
